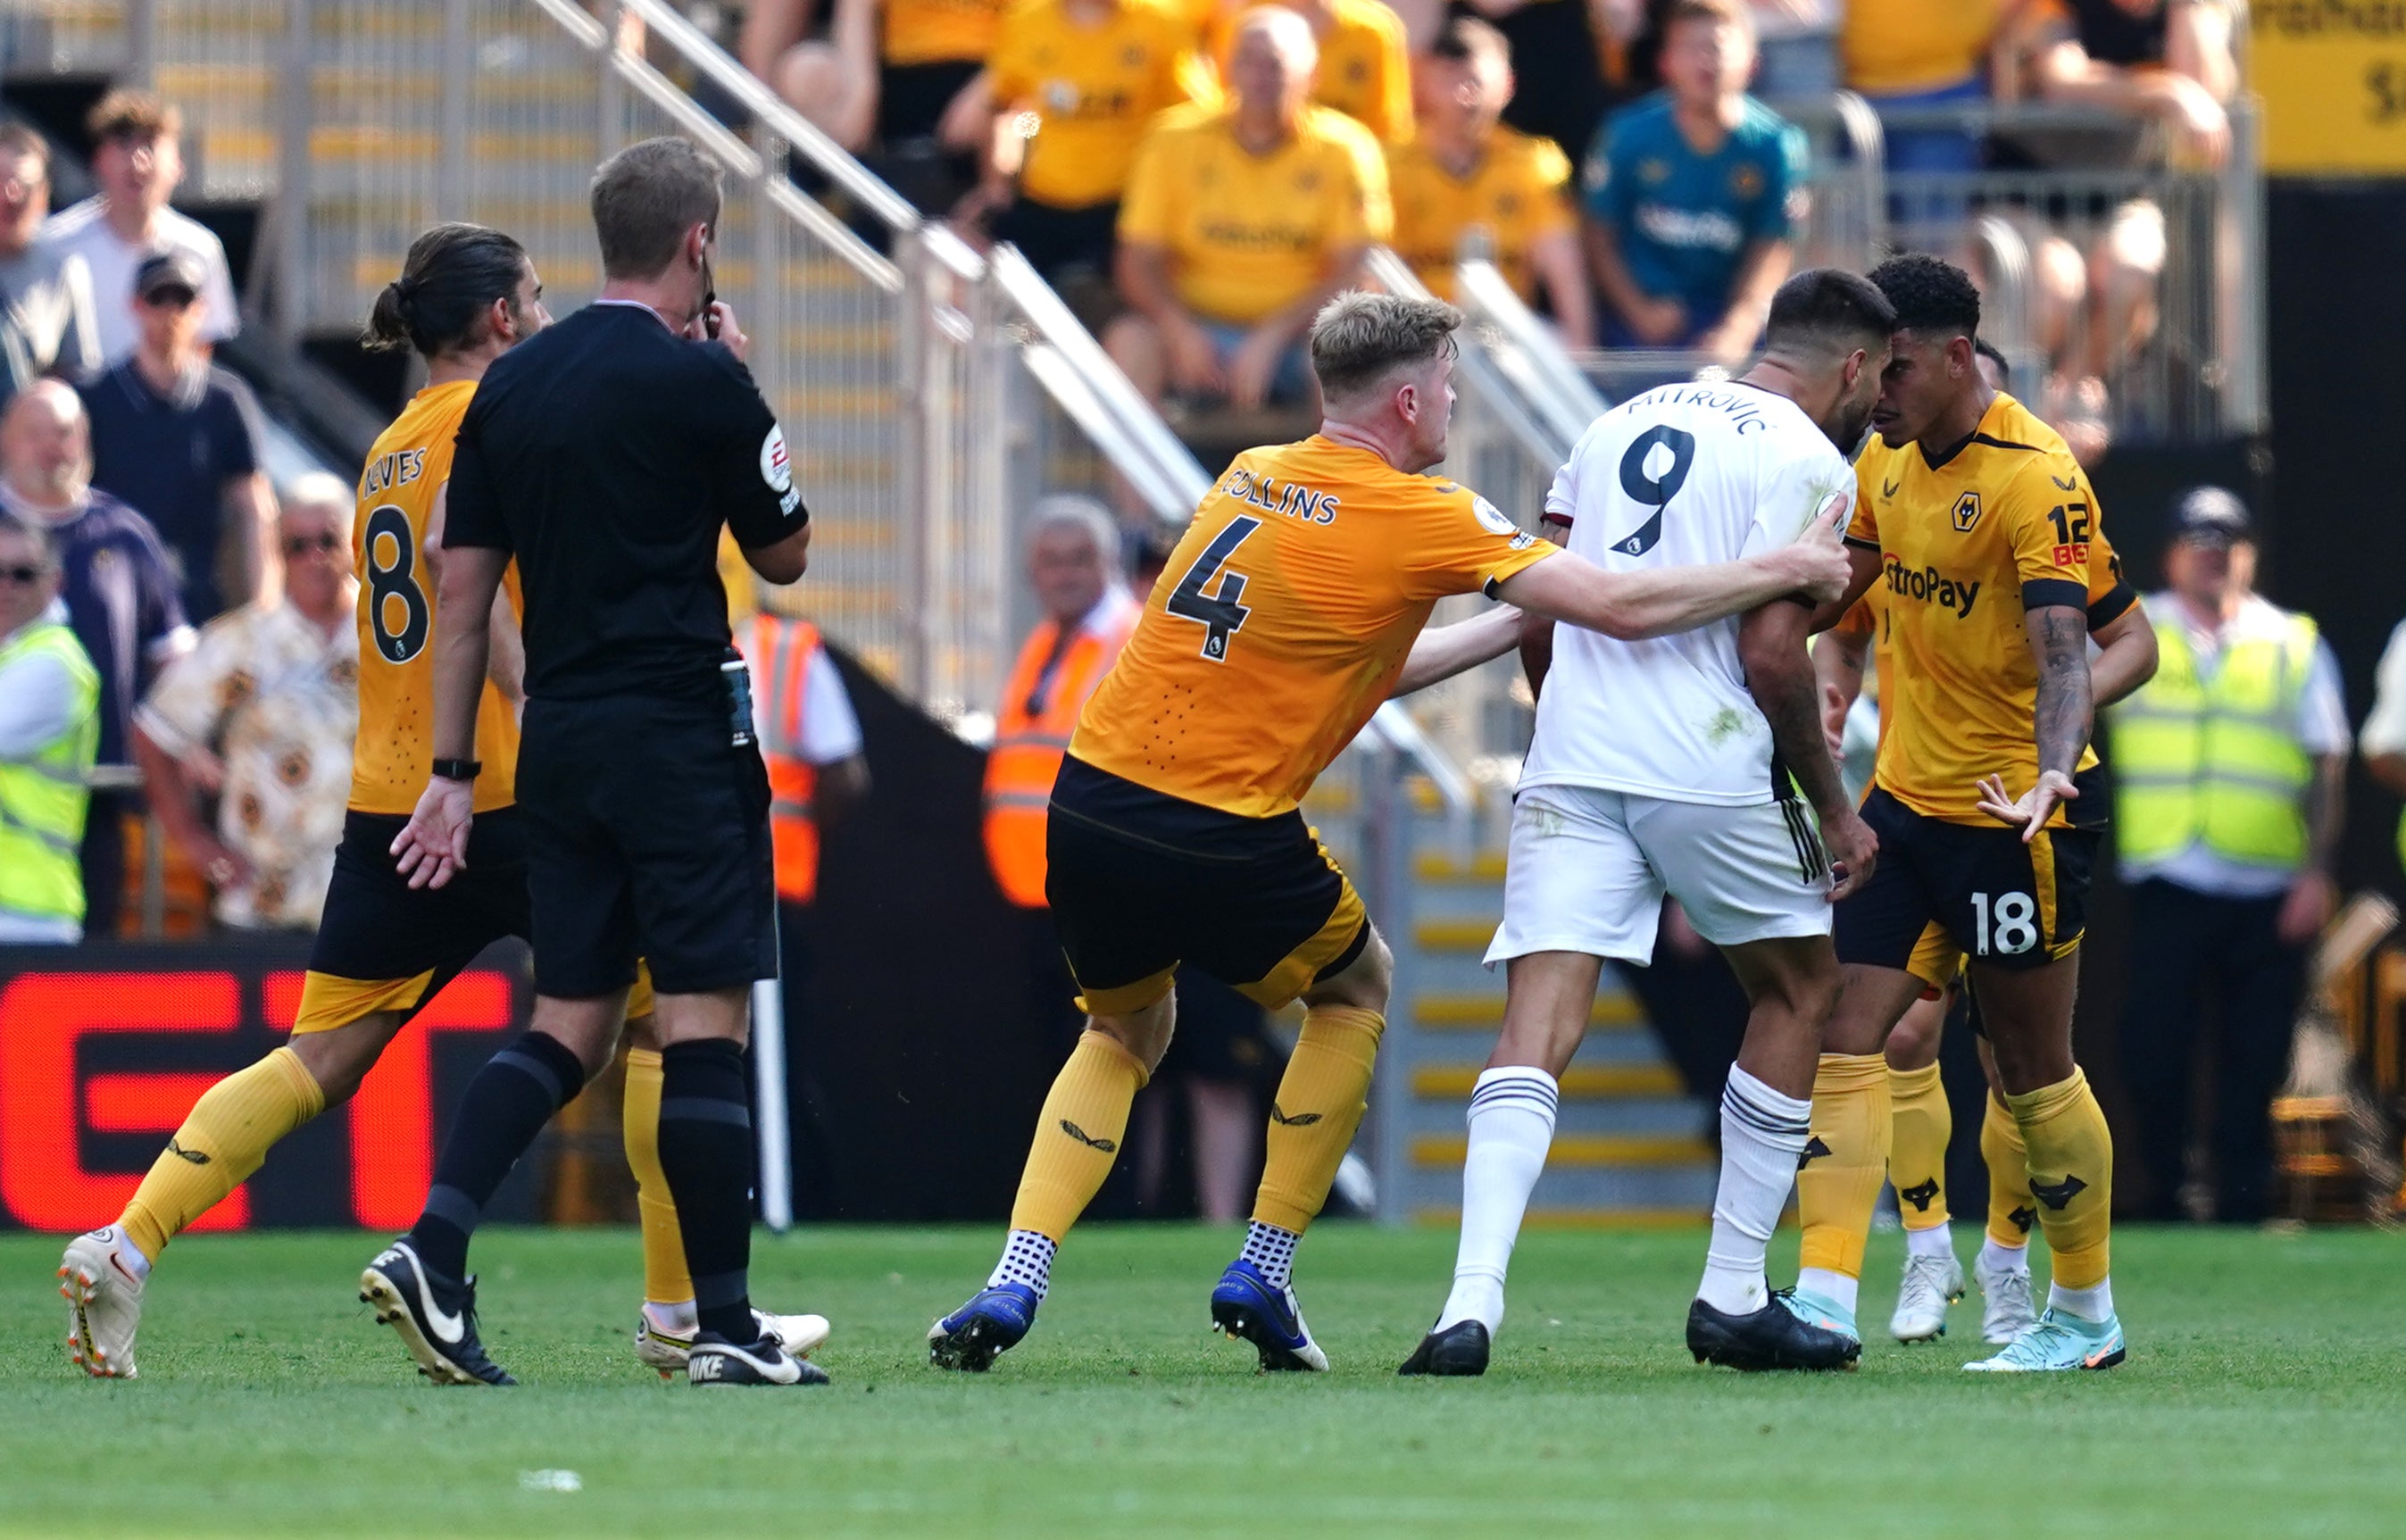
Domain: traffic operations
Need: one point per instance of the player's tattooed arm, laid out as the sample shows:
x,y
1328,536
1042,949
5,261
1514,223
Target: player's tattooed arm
x,y
2060,722
2066,709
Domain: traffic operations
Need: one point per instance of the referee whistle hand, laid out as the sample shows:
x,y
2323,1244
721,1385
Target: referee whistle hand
x,y
728,332
434,844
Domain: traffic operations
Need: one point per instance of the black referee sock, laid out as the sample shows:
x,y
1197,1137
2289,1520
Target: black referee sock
x,y
706,1152
506,1104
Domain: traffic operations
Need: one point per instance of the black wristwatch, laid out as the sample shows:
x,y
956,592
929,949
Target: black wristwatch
x,y
458,769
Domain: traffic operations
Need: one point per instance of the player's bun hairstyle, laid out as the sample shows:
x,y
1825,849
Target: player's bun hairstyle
x,y
1359,338
1468,40
1929,294
451,277
1830,311
646,198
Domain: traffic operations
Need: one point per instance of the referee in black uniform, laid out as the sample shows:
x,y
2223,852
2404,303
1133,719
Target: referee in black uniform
x,y
605,454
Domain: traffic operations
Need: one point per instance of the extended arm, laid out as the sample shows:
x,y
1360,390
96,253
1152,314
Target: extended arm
x,y
249,508
1631,606
2126,657
1440,652
1780,676
1555,258
435,843
1863,563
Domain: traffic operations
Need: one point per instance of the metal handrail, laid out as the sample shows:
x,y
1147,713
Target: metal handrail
x,y
829,159
1558,392
1163,470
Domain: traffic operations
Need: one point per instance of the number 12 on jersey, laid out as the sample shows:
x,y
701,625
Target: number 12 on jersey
x,y
1219,613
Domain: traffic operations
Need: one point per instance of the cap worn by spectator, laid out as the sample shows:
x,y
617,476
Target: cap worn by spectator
x,y
179,439
2211,515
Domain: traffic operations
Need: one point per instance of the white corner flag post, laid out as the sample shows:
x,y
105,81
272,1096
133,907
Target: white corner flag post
x,y
771,1127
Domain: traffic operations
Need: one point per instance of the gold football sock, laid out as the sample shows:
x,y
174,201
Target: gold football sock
x,y
2071,1175
1846,1158
224,1137
1921,1125
2012,1210
665,1278
1320,1102
1078,1134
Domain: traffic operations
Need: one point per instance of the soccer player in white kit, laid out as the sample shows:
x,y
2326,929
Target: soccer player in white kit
x,y
1665,765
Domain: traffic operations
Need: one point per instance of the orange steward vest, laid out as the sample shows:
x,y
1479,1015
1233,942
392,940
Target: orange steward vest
x,y
1028,746
781,651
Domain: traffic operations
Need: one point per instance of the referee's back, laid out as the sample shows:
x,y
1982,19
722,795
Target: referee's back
x,y
606,453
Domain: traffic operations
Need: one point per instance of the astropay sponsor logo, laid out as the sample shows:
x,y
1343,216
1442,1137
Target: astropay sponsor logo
x,y
1929,585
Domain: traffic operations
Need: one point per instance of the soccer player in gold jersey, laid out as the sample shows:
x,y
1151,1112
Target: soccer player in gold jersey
x,y
1981,525
1292,608
466,295
1921,1119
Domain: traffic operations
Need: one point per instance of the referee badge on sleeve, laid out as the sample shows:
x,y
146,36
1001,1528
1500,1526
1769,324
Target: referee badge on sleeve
x,y
777,469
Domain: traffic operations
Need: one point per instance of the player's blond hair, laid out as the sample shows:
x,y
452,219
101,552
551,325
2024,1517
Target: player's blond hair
x,y
1360,338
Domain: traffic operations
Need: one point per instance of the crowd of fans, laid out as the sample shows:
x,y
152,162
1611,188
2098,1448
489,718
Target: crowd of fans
x,y
132,464
1196,174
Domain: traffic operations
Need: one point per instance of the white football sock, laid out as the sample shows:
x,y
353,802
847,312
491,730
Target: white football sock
x,y
1835,1287
131,1255
2095,1304
1936,1240
1511,1125
1026,1258
2008,1259
1762,1135
674,1317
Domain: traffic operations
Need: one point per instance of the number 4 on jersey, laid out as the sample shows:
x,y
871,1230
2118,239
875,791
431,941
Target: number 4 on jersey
x,y
1221,616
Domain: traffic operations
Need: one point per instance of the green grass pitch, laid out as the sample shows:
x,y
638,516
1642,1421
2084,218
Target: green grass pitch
x,y
2265,1395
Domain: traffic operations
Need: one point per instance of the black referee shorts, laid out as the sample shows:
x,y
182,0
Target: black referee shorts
x,y
647,834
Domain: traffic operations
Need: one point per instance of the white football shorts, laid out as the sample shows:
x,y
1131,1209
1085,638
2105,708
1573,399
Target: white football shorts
x,y
1589,868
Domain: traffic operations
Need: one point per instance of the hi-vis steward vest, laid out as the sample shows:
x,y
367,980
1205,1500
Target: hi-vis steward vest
x,y
43,795
2217,762
781,652
1028,746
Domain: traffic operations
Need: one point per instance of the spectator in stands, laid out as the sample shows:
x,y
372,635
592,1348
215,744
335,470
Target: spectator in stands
x,y
2088,437
2382,740
178,438
261,715
2168,62
891,78
2230,779
1239,223
1910,54
46,326
1559,63
1464,171
1073,85
137,158
121,597
1695,198
50,730
1365,64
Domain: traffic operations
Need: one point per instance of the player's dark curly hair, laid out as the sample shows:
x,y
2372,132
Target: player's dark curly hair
x,y
451,277
1929,294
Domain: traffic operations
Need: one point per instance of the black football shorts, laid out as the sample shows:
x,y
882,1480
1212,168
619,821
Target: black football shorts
x,y
1139,883
2001,902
